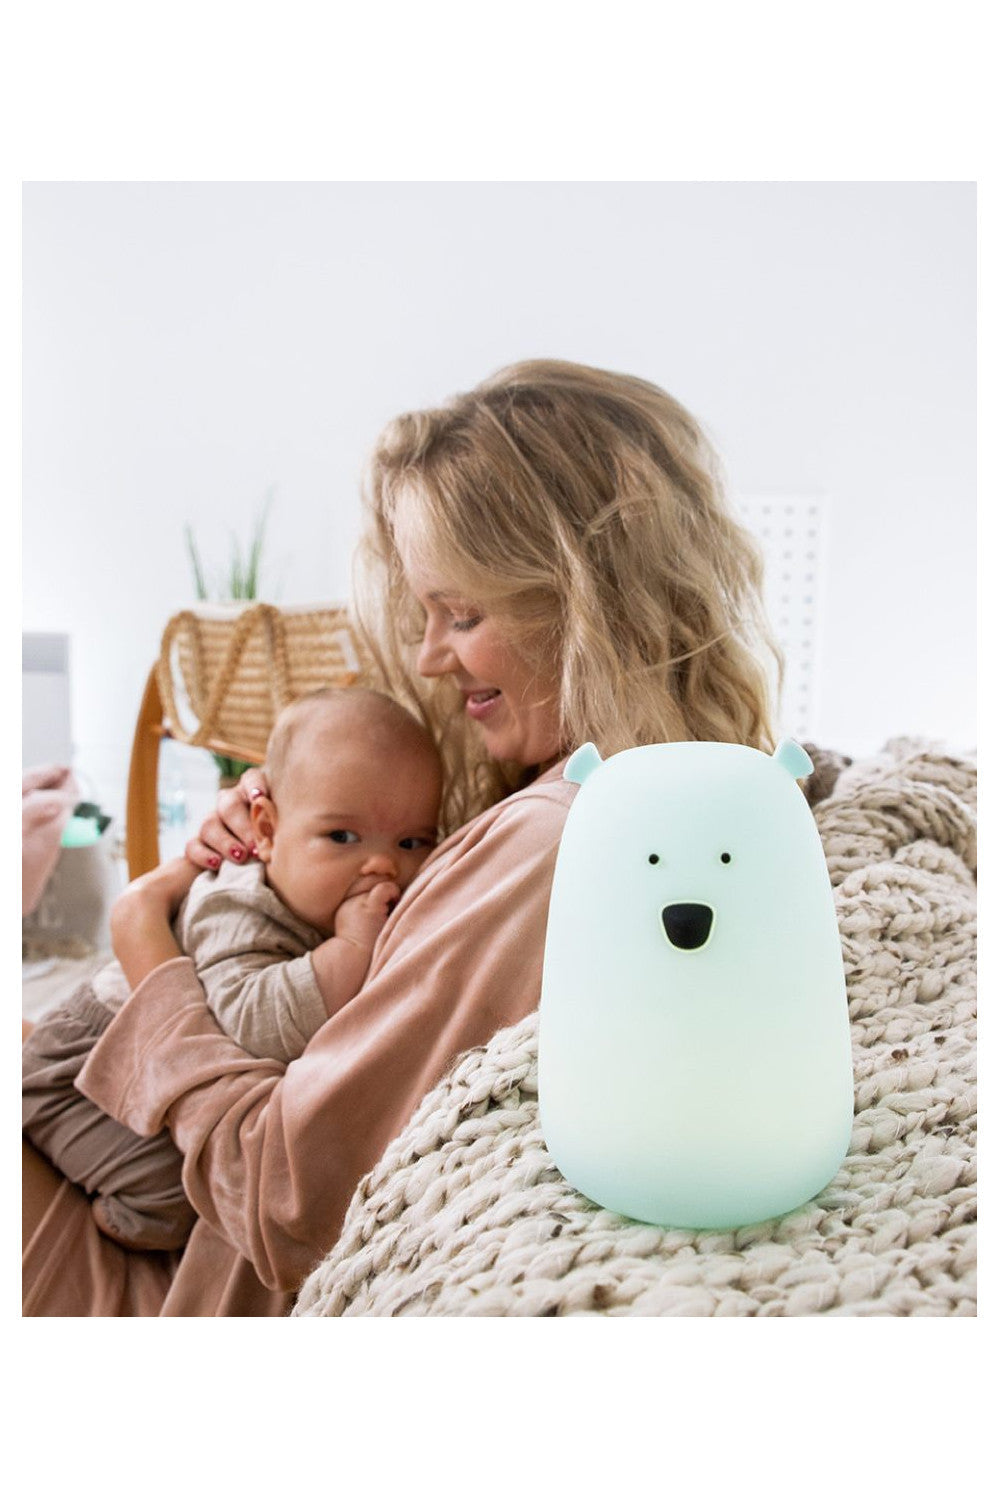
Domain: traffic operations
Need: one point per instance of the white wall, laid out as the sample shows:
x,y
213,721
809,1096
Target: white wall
x,y
187,346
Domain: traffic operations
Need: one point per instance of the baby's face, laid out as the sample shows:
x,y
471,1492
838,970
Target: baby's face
x,y
348,818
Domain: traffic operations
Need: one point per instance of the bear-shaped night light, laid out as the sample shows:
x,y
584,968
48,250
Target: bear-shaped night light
x,y
694,1052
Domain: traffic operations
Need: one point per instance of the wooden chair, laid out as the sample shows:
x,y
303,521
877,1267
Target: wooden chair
x,y
223,675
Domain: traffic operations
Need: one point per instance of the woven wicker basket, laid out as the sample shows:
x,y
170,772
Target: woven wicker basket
x,y
226,671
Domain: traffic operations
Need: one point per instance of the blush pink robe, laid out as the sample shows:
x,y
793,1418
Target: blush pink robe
x,y
272,1155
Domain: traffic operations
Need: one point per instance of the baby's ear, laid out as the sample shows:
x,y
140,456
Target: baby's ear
x,y
264,822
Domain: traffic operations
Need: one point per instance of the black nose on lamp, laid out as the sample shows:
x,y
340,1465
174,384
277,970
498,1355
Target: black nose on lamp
x,y
687,924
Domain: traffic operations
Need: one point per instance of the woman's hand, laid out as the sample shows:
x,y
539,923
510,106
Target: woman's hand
x,y
141,934
160,891
228,833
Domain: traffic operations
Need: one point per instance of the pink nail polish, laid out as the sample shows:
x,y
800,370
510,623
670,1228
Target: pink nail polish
x,y
215,862
253,851
235,853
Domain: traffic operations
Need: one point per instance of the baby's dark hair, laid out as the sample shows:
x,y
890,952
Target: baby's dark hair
x,y
378,717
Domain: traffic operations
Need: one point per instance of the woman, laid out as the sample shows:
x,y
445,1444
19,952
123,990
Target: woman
x,y
547,560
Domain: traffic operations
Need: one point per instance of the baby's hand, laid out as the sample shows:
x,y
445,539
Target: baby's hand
x,y
360,919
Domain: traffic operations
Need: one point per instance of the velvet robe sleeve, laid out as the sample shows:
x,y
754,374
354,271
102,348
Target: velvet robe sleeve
x,y
272,1156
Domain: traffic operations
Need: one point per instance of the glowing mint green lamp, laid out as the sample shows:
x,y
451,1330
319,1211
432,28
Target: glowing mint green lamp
x,y
694,1055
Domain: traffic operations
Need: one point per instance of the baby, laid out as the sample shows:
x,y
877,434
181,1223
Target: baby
x,y
354,788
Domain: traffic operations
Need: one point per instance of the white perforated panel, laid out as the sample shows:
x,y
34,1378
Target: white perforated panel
x,y
792,534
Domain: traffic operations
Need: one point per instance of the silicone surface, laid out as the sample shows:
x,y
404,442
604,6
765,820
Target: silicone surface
x,y
694,1064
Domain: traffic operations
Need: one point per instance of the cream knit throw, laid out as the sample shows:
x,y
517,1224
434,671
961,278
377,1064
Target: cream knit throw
x,y
466,1214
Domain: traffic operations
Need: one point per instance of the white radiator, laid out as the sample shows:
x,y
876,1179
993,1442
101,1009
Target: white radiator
x,y
45,722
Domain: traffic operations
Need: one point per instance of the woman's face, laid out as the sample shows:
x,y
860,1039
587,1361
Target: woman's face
x,y
514,708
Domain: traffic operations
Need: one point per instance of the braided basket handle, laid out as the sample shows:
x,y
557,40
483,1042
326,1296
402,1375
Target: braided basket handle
x,y
210,698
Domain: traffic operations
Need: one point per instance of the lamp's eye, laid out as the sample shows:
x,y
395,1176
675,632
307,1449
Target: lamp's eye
x,y
725,858
654,859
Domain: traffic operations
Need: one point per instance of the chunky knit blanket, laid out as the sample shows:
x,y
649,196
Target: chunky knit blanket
x,y
466,1213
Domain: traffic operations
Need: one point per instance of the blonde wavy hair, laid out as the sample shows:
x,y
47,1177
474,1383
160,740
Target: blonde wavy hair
x,y
586,510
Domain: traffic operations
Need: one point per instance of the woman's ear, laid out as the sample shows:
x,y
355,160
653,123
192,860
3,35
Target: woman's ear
x,y
264,822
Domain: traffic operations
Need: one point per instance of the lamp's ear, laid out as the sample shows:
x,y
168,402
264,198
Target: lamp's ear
x,y
582,763
794,759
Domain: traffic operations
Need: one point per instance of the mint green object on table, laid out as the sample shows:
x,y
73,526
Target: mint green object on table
x,y
694,1053
85,827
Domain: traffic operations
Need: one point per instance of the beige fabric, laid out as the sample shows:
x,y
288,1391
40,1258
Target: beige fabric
x,y
466,1215
252,956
